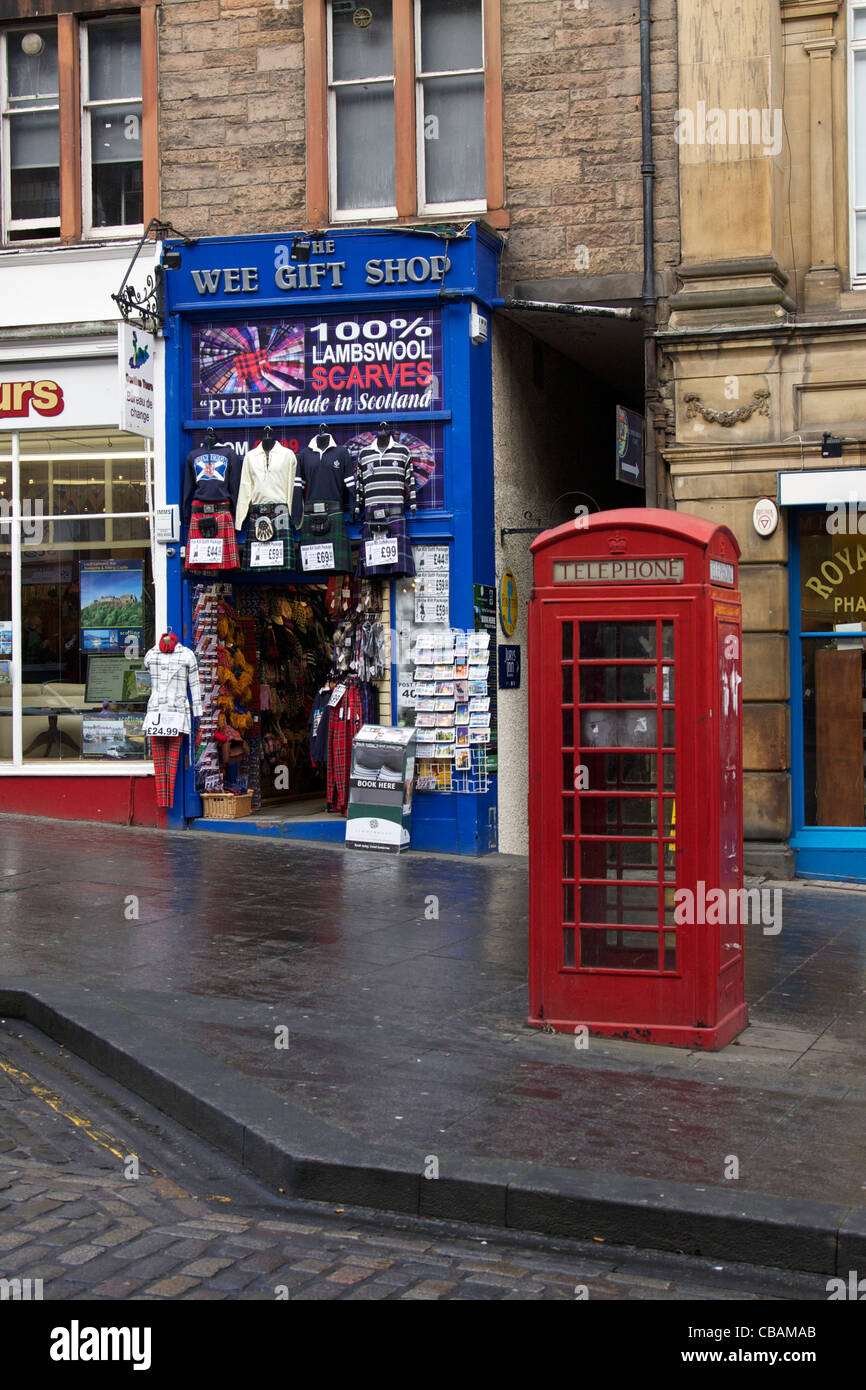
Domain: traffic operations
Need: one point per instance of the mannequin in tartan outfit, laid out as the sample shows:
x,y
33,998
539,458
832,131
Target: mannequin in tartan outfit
x,y
344,723
171,666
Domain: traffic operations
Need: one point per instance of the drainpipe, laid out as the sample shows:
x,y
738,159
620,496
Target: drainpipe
x,y
647,168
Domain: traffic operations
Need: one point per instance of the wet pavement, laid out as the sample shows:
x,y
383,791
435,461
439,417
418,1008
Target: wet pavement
x,y
399,985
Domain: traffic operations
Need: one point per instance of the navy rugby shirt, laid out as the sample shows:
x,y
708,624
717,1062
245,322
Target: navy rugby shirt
x,y
210,475
326,475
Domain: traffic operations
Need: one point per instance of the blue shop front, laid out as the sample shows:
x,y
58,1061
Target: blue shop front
x,y
360,356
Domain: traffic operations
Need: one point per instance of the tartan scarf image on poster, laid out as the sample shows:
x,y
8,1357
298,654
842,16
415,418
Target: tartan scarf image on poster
x,y
345,721
166,756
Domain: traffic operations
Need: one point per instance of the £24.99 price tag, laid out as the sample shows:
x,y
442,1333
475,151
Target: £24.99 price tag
x,y
318,557
380,552
202,552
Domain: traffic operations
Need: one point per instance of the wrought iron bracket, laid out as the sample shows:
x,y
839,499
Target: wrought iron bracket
x,y
146,308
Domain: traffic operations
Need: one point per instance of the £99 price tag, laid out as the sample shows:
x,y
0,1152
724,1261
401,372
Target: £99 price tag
x,y
381,552
202,552
318,557
266,553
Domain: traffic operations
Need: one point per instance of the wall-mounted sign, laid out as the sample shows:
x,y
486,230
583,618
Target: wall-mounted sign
x,y
135,352
508,607
629,447
330,364
657,569
509,668
57,395
765,517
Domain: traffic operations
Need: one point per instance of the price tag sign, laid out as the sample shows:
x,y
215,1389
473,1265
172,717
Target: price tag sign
x,y
431,610
155,728
318,557
336,696
431,559
381,552
202,552
266,553
433,585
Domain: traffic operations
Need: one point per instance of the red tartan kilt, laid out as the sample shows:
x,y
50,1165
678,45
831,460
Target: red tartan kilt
x,y
225,531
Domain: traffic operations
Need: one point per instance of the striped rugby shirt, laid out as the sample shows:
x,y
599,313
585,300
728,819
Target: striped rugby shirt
x,y
385,478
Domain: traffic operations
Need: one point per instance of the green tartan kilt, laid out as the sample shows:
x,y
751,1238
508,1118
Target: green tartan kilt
x,y
278,516
336,535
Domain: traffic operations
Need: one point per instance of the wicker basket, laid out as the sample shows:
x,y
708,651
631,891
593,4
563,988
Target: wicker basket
x,y
226,805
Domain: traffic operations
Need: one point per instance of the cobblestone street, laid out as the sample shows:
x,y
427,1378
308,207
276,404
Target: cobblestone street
x,y
190,1227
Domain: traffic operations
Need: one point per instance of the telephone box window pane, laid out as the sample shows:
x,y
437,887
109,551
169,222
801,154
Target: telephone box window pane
x,y
568,859
567,641
620,771
568,902
637,728
567,772
618,950
668,728
624,728
619,815
568,947
668,685
670,950
568,728
668,771
567,685
668,640
617,640
630,858
617,684
568,815
621,903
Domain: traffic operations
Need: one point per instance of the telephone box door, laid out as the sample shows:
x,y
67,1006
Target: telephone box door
x,y
611,784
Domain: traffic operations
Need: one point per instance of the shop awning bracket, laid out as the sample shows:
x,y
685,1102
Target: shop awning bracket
x,y
146,308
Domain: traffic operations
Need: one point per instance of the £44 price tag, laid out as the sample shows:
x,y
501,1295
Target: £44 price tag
x,y
318,557
266,553
202,552
380,552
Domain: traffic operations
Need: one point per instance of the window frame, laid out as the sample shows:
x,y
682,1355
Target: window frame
x,y
70,18
335,84
410,206
858,278
7,115
471,205
88,105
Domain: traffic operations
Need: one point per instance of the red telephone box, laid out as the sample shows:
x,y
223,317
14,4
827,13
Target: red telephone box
x,y
635,762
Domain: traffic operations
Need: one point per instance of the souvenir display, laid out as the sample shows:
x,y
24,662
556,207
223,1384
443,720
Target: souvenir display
x,y
172,667
211,481
384,489
326,482
269,500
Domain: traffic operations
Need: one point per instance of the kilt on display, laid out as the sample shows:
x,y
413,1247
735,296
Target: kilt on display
x,y
323,529
270,543
393,529
212,546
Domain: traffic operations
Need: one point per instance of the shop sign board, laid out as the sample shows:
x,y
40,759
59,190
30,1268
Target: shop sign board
x,y
629,447
380,788
386,363
49,395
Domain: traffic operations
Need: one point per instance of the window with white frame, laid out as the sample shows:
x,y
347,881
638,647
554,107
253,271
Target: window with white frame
x,y
433,50
449,87
30,150
77,130
111,136
857,139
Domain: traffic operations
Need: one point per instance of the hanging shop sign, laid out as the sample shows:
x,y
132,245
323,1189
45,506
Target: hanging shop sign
x,y
135,352
328,364
629,447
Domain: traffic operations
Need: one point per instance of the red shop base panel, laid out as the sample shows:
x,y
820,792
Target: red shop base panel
x,y
664,1035
115,800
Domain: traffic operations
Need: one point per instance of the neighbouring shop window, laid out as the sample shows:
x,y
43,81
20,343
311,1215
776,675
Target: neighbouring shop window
x,y
83,588
412,117
833,667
